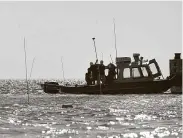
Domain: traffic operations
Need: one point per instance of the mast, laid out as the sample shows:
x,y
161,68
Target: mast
x,y
115,42
111,58
115,36
26,70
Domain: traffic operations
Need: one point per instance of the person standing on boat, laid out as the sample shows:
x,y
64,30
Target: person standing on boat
x,y
87,78
92,72
111,72
101,73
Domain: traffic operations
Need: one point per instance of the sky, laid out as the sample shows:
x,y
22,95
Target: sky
x,y
65,29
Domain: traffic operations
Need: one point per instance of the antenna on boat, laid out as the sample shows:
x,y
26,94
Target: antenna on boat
x,y
26,70
98,66
95,48
115,39
63,69
115,36
111,58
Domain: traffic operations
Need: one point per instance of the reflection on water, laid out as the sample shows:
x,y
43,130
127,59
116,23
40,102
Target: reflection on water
x,y
119,116
128,116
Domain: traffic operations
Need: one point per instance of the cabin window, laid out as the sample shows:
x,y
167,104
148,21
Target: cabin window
x,y
144,71
153,68
135,72
126,73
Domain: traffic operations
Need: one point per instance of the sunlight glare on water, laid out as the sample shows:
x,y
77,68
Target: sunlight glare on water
x,y
118,116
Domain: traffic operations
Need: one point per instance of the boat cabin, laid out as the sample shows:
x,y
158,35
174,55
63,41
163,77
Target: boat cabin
x,y
139,69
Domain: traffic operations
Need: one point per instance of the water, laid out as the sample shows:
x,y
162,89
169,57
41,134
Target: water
x,y
92,116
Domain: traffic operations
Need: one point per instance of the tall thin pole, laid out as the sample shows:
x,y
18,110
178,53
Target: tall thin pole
x,y
26,70
115,41
98,65
115,36
31,73
111,58
62,69
95,48
31,68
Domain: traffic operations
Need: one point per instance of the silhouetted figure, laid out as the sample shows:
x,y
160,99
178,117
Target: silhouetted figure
x,y
111,73
88,78
141,60
92,72
101,73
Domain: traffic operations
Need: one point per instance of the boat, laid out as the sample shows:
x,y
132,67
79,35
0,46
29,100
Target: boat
x,y
50,87
137,77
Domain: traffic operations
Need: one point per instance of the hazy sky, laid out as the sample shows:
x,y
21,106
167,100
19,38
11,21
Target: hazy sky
x,y
55,29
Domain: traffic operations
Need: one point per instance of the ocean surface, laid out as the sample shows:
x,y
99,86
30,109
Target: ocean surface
x,y
92,116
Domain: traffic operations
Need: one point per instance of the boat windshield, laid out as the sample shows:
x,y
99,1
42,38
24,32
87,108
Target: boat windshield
x,y
135,72
126,73
153,68
144,71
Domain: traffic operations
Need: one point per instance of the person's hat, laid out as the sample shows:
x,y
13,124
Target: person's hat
x,y
101,61
91,63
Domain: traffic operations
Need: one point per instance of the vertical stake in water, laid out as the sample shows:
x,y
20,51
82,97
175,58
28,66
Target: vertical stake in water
x,y
31,68
26,70
98,66
31,72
